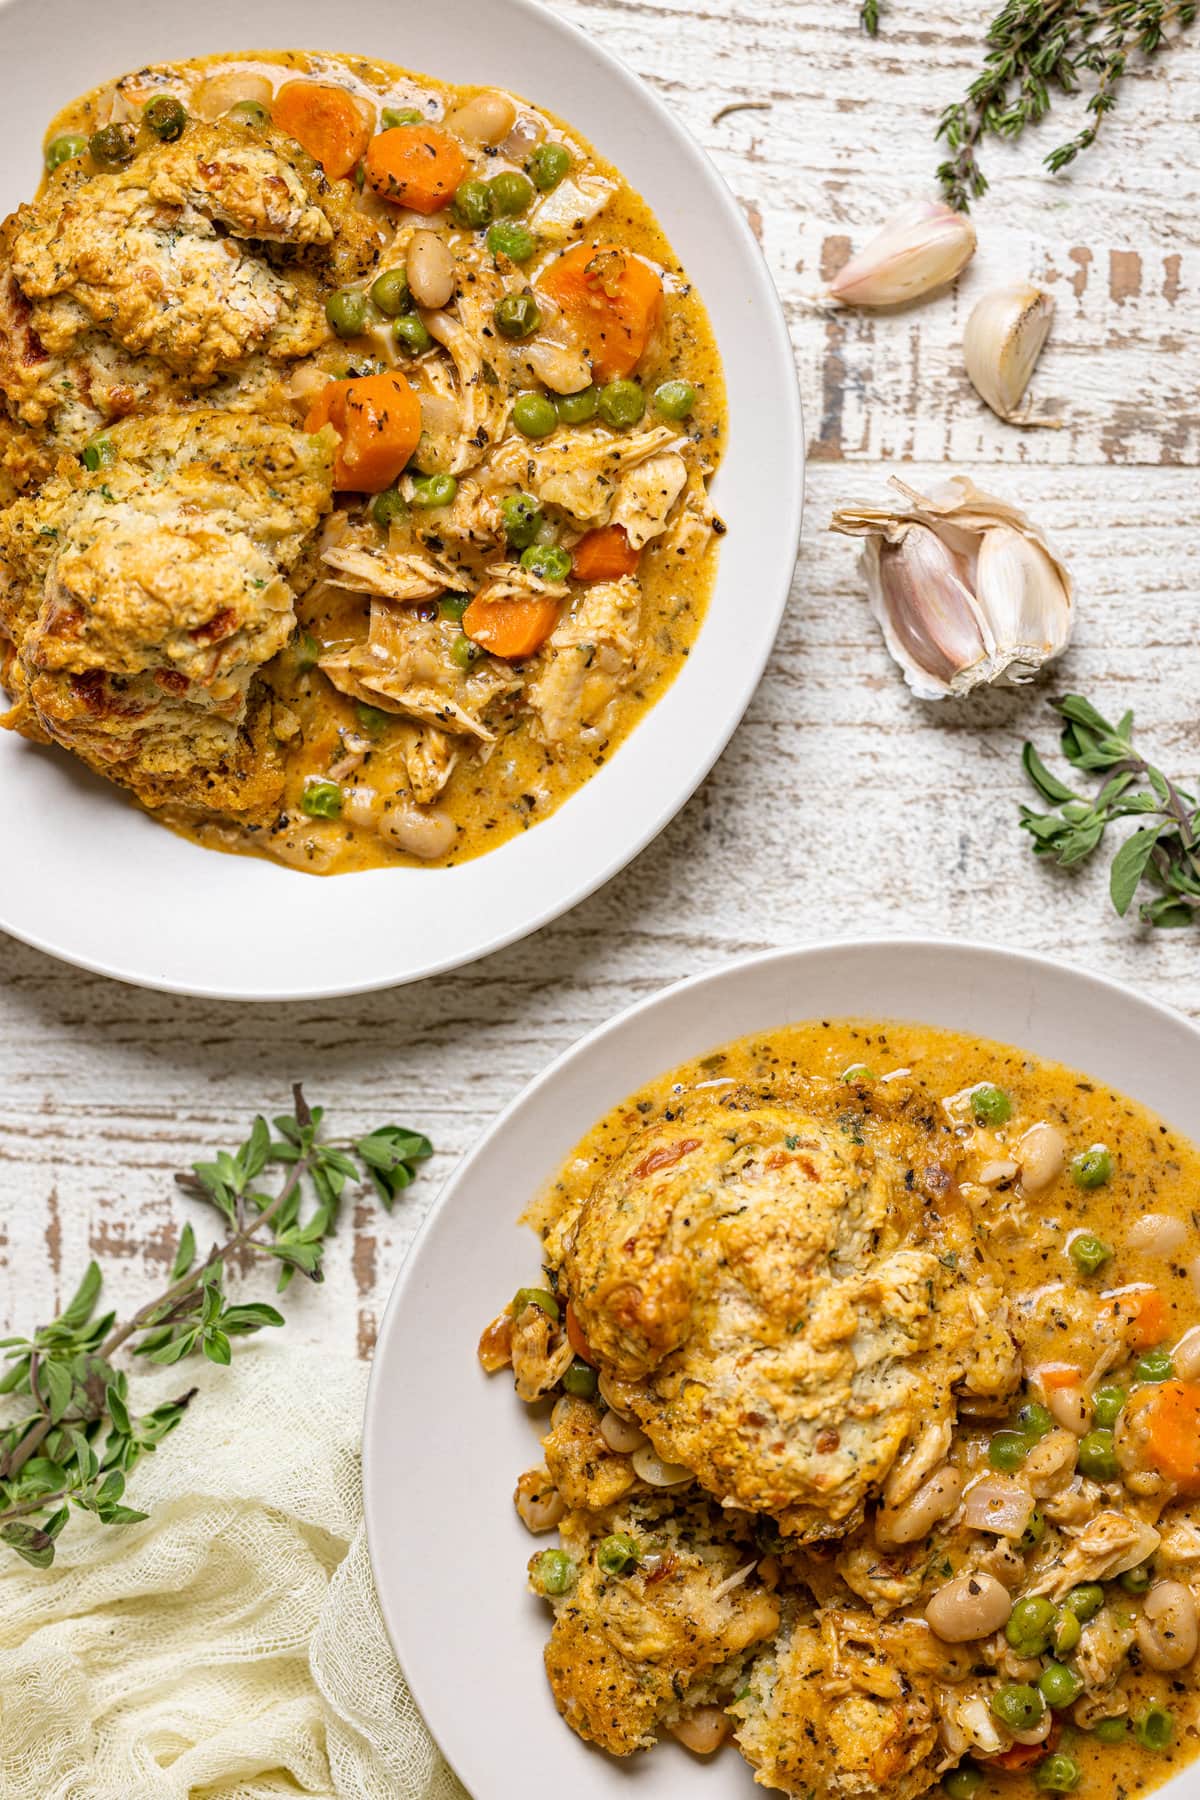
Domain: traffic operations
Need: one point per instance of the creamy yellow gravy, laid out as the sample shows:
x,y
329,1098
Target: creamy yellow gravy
x,y
1155,1171
494,796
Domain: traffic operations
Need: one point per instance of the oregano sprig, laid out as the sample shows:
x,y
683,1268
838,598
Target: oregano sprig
x,y
78,1438
1163,852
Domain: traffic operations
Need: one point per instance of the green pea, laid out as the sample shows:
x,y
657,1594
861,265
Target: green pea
x,y
1085,1602
1154,1727
675,400
472,204
392,116
533,415
251,113
1018,1706
99,454
373,719
1034,1420
1058,1774
166,116
1035,1531
1067,1633
547,165
1008,1450
580,1380
113,146
1088,1252
1097,1457
347,312
434,490
857,1074
390,292
962,1783
413,333
547,562
534,1297
463,652
622,404
1092,1168
517,315
1156,1365
64,149
1111,1731
453,606
522,519
1059,1685
554,1572
513,241
321,799
1030,1626
618,1554
389,508
1136,1580
990,1105
511,194
577,409
1106,1405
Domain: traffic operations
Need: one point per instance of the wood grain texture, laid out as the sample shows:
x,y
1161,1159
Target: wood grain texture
x,y
843,806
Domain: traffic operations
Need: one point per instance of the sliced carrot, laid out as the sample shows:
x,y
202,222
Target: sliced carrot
x,y
576,1339
612,301
1164,1422
416,165
1150,1322
1024,1756
378,418
604,555
1060,1375
510,628
326,121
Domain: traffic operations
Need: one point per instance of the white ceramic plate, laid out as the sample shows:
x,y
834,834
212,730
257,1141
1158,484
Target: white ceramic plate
x,y
444,1444
92,880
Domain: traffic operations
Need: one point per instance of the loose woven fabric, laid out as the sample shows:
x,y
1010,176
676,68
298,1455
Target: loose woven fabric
x,y
231,1646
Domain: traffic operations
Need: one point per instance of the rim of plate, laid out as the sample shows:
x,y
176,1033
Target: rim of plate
x,y
273,889
436,1708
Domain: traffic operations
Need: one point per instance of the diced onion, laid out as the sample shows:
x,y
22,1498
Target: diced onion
x,y
998,1506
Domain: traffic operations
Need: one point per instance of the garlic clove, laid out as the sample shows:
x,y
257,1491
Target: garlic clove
x,y
1003,339
923,247
1021,592
928,614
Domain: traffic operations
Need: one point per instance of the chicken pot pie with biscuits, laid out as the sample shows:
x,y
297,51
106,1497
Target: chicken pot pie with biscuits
x,y
867,1366
355,444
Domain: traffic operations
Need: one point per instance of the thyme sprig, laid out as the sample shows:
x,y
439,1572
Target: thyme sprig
x,y
79,1438
1164,852
1036,46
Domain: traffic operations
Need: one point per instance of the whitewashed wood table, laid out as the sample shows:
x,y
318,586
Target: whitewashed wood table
x,y
843,806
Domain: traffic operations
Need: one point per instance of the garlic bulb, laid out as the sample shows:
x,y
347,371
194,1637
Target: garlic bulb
x,y
923,247
965,588
1001,344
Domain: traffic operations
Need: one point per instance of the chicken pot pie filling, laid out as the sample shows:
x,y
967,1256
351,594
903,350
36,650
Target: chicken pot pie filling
x,y
354,457
867,1365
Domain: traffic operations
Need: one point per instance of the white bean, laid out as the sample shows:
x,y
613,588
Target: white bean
x,y
1158,1234
934,1498
538,1501
611,1399
1041,1152
214,97
431,270
1051,1458
483,119
703,1731
422,831
620,1435
1186,1355
1071,1408
1168,1631
971,1607
652,1469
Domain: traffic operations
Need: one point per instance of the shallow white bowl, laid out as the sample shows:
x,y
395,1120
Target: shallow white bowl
x,y
91,879
444,1444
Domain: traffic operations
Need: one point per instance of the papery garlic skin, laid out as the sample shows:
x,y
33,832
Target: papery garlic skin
x,y
922,248
966,589
1004,337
